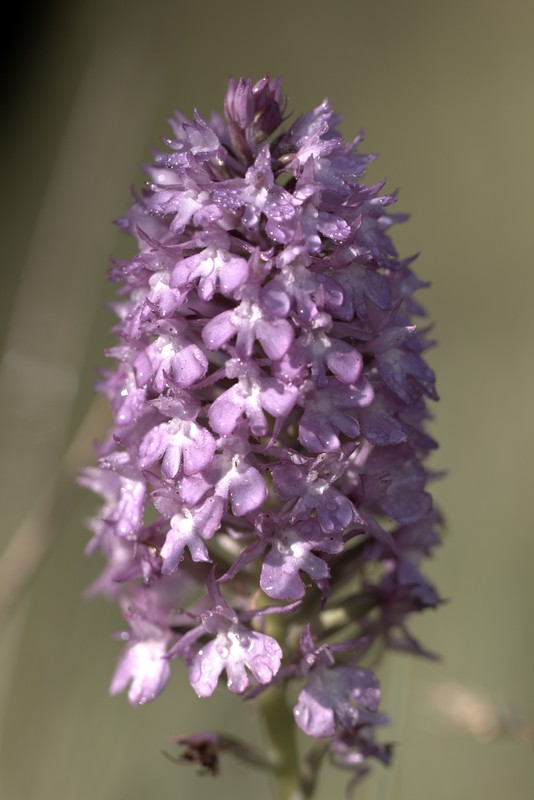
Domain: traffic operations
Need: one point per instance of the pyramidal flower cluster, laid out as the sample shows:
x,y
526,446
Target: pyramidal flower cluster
x,y
265,509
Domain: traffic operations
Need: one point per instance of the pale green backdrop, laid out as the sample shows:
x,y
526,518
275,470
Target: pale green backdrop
x,y
444,91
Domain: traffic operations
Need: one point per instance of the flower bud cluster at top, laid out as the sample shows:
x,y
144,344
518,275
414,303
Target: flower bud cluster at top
x,y
264,505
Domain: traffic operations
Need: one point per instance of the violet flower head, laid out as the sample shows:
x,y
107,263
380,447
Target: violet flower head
x,y
266,511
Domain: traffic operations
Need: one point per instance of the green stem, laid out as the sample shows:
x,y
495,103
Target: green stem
x,y
280,732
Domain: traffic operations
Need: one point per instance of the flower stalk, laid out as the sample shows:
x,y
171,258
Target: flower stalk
x,y
280,734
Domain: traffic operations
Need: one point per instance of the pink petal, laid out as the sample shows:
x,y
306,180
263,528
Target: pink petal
x,y
276,337
219,330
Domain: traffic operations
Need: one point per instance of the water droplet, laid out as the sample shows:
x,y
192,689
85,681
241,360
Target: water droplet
x,y
222,650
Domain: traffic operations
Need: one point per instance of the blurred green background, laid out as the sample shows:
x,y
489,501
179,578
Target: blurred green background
x,y
444,91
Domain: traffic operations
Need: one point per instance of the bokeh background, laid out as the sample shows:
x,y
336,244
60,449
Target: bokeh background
x,y
444,92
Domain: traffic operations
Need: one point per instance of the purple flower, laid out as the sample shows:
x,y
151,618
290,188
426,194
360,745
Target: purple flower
x,y
180,443
189,527
235,649
250,397
143,664
334,698
269,407
353,750
145,667
211,269
290,553
310,484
